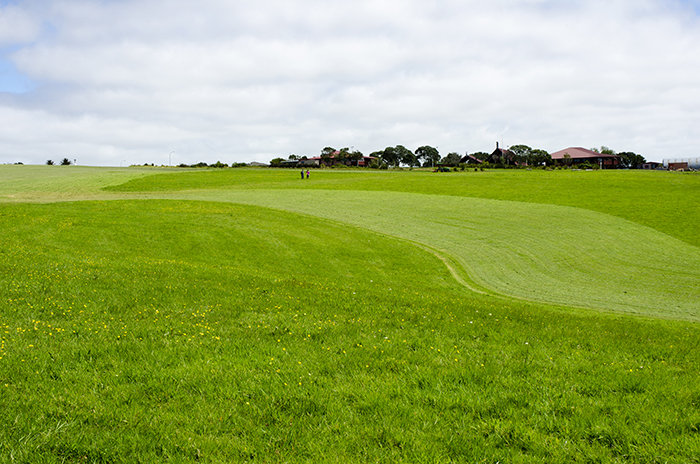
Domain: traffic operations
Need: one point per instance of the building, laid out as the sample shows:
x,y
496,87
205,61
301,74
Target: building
x,y
682,164
365,161
578,155
501,156
651,165
469,159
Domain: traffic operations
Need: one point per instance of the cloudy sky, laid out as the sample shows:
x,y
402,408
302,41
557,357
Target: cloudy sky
x,y
116,82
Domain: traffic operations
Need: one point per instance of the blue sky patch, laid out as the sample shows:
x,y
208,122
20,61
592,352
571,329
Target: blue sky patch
x,y
11,80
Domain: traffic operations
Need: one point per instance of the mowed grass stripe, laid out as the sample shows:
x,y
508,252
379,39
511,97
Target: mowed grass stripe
x,y
666,201
545,253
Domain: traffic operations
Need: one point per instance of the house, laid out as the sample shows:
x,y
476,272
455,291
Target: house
x,y
365,161
501,156
651,165
310,162
469,159
578,155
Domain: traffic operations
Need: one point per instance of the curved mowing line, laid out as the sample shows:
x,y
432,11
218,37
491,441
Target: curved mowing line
x,y
543,253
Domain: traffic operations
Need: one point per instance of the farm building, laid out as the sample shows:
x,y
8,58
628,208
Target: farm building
x,y
682,164
578,155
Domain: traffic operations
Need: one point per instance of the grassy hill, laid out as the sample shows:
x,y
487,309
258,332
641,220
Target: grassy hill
x,y
242,316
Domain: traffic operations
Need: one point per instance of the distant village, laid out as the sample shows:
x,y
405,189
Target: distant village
x,y
513,157
516,156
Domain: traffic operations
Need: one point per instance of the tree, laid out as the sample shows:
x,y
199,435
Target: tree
x,y
603,150
65,162
328,151
327,155
631,160
342,155
49,162
355,156
521,153
388,156
276,162
406,156
429,155
452,159
539,158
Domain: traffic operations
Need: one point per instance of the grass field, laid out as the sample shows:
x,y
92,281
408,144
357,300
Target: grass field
x,y
242,315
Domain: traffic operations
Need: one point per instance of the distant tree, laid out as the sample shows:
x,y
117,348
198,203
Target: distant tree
x,y
342,155
328,151
388,156
355,156
276,162
219,164
406,156
65,162
452,159
327,154
539,157
631,160
521,153
49,162
429,155
567,159
603,150
293,157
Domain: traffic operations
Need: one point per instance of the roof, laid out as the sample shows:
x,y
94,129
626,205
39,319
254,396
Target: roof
x,y
579,153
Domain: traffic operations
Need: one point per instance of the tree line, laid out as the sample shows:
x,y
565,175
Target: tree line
x,y
428,156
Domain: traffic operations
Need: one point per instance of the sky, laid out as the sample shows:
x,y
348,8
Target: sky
x,y
119,82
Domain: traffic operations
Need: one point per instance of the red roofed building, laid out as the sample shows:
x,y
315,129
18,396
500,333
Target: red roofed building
x,y
578,155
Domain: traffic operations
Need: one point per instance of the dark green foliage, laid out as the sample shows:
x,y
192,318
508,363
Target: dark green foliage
x,y
429,155
631,160
452,159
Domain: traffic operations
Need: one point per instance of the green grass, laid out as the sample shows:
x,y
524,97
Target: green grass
x,y
665,201
536,252
202,329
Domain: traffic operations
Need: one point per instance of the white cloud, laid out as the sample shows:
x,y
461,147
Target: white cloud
x,y
238,81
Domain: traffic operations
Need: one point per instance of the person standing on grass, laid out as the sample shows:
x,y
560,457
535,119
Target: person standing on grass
x,y
302,174
307,173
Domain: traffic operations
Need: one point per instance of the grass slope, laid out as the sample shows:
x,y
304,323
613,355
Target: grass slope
x,y
539,252
150,331
661,200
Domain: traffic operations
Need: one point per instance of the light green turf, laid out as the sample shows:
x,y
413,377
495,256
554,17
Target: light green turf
x,y
54,183
545,253
540,252
666,201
